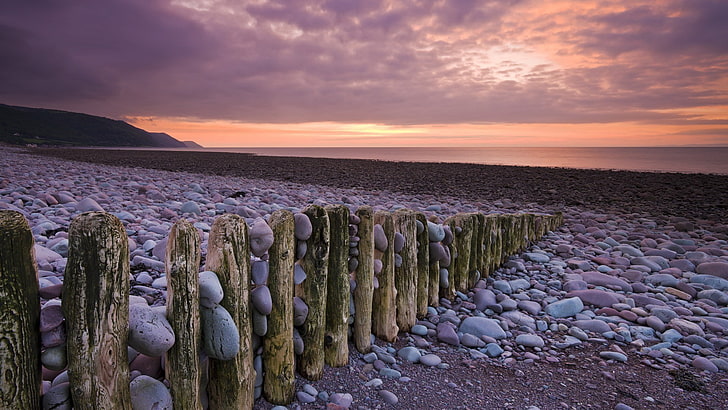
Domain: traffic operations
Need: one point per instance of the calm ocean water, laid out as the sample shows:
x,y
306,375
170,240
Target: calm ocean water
x,y
709,160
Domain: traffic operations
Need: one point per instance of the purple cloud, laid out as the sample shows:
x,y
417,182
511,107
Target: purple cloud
x,y
403,62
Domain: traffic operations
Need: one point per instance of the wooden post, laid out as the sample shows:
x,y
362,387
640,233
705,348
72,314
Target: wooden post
x,y
364,276
278,358
423,266
433,290
313,292
476,255
231,384
182,367
96,307
384,309
336,343
19,315
464,243
405,276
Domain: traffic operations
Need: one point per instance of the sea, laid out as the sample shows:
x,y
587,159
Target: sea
x,y
703,160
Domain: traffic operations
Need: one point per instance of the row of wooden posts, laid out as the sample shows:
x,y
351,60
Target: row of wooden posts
x,y
96,289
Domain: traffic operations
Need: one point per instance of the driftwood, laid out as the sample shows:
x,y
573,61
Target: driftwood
x,y
182,367
96,307
19,315
278,357
231,384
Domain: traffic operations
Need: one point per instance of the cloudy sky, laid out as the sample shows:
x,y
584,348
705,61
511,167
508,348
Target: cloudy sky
x,y
379,72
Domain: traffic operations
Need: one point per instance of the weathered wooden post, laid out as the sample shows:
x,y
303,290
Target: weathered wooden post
x,y
454,269
278,357
182,366
423,265
19,315
477,269
405,275
96,307
384,309
231,384
313,291
336,343
364,276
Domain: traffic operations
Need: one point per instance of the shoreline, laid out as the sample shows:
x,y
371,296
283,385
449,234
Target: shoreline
x,y
662,195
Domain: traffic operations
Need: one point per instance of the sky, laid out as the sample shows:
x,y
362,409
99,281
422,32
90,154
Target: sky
x,y
264,73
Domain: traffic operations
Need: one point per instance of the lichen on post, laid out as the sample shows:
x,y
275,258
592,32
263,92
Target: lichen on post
x,y
96,307
278,357
336,344
19,315
182,367
364,276
384,309
231,384
313,291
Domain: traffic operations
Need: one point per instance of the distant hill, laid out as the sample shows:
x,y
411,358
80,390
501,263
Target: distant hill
x,y
23,125
192,144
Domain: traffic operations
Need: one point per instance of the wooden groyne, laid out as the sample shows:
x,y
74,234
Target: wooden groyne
x,y
331,273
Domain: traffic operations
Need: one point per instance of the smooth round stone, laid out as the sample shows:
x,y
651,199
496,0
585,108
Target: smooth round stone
x,y
353,264
565,307
305,397
390,373
430,360
446,334
447,240
712,281
300,311
301,249
519,284
671,336
435,232
54,358
341,399
399,242
483,298
211,292
149,393
58,397
419,226
260,324
592,325
718,269
419,330
220,336
388,397
297,342
493,350
715,295
444,278
299,275
261,237
595,297
88,205
662,279
190,207
703,363
480,326
380,238
537,257
51,316
378,266
410,354
303,228
664,314
529,340
437,252
529,306
609,355
149,331
686,327
259,272
608,281
262,301
397,260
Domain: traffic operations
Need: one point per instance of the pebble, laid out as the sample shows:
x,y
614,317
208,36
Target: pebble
x,y
149,393
211,292
149,331
220,337
388,397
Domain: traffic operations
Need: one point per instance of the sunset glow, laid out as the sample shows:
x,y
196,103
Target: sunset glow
x,y
270,73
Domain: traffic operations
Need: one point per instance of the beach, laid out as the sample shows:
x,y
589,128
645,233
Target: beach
x,y
625,306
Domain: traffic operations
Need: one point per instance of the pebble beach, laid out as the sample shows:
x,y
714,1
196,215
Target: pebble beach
x,y
624,306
